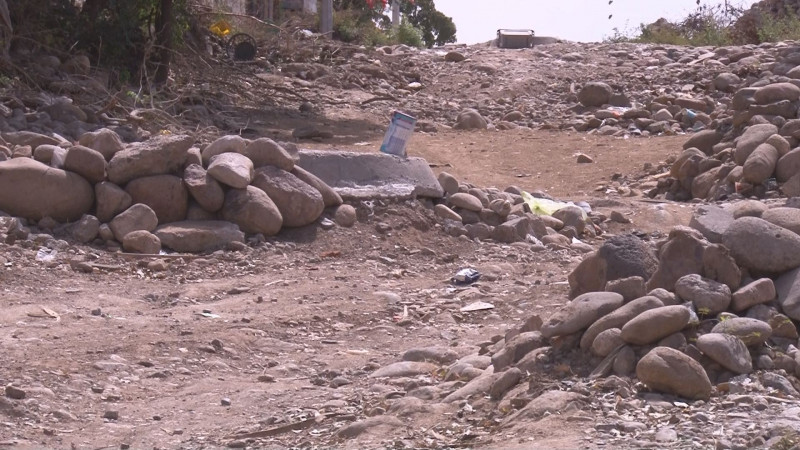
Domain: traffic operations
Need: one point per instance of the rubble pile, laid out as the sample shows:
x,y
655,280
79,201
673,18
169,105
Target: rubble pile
x,y
162,191
710,314
752,149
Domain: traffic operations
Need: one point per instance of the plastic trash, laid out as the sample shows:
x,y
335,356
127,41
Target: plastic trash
x,y
46,254
466,276
477,306
545,207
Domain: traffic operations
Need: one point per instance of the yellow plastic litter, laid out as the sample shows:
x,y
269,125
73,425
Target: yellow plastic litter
x,y
543,206
221,28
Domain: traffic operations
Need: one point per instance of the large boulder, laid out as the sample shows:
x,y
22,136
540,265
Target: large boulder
x,y
752,137
595,94
752,294
776,92
704,141
681,255
105,141
788,289
470,119
88,163
111,199
668,370
28,138
205,190
753,332
299,203
329,196
618,318
761,246
788,165
266,152
580,313
619,257
655,324
788,218
159,155
760,164
199,236
232,143
253,210
711,221
137,217
708,296
141,241
33,190
726,350
165,194
231,169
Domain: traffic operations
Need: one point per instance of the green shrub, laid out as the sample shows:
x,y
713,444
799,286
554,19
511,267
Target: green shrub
x,y
779,28
408,34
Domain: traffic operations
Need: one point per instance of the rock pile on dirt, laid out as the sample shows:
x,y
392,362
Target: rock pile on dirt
x,y
753,148
507,217
159,192
712,304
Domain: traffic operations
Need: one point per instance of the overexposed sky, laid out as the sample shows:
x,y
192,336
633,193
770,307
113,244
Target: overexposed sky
x,y
574,20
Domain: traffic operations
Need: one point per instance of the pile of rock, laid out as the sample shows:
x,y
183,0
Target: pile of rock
x,y
505,216
753,151
610,113
159,192
690,316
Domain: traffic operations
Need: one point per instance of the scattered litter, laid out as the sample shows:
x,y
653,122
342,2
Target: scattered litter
x,y
46,254
45,312
397,135
209,315
477,306
466,276
238,290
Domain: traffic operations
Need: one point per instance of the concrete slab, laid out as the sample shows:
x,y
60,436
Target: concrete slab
x,y
363,176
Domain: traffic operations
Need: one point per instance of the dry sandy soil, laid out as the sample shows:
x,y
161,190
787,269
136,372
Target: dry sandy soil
x,y
124,357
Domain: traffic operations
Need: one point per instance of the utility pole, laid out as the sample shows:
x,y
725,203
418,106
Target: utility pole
x,y
326,18
395,13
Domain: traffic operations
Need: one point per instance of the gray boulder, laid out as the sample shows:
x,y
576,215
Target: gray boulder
x,y
595,94
708,296
752,137
231,169
668,370
580,313
253,210
654,324
33,190
111,200
159,155
137,217
761,246
299,203
165,194
726,350
205,190
199,236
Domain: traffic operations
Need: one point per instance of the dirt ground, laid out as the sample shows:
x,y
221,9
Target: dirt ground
x,y
265,340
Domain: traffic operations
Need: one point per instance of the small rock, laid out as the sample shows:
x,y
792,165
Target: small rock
x,y
15,393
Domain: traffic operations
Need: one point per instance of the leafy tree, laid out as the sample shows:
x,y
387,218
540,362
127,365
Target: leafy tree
x,y
437,28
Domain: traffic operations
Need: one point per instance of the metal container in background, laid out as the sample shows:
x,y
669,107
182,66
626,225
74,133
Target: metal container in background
x,y
507,38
